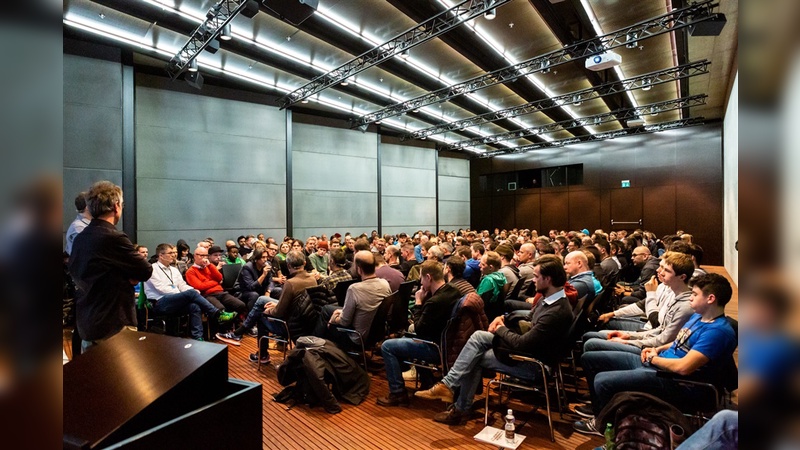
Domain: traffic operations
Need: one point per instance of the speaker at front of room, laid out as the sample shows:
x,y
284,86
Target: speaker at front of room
x,y
292,11
194,79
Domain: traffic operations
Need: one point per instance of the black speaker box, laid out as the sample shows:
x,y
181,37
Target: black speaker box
x,y
292,11
710,27
194,79
250,9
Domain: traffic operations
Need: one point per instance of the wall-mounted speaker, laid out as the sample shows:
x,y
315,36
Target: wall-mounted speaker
x,y
292,11
194,79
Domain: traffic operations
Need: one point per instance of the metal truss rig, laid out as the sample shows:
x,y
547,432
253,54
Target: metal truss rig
x,y
645,129
422,32
613,87
674,20
597,119
217,17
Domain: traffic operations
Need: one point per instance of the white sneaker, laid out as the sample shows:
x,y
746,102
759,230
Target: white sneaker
x,y
411,374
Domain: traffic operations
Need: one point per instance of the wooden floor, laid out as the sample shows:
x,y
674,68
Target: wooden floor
x,y
369,426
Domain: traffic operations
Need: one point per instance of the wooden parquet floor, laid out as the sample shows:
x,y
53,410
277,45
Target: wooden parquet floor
x,y
369,426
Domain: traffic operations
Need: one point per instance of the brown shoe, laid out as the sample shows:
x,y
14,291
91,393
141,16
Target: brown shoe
x,y
439,391
394,399
450,417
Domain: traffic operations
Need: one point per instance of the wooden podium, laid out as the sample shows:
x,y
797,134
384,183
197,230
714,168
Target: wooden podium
x,y
144,390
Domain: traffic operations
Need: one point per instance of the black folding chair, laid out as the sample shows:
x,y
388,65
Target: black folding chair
x,y
340,291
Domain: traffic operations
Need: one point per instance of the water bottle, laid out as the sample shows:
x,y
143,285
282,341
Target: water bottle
x,y
609,434
509,427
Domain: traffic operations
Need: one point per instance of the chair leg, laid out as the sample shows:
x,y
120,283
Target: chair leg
x,y
488,394
547,401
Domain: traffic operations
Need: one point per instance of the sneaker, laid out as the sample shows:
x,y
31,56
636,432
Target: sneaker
x,y
253,331
584,410
230,338
450,417
586,427
225,317
410,374
439,391
394,399
254,358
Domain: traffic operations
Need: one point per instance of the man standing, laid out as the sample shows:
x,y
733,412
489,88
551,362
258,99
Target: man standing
x,y
80,222
171,296
105,266
551,320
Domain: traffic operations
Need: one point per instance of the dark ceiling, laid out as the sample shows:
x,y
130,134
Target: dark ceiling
x,y
272,56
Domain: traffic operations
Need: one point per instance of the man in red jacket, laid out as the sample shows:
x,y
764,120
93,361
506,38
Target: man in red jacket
x,y
207,279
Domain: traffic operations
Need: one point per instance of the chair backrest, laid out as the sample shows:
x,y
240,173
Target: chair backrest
x,y
230,273
377,330
340,291
514,294
406,288
398,319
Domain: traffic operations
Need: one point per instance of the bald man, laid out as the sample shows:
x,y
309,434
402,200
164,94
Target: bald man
x,y
360,303
643,260
206,278
581,277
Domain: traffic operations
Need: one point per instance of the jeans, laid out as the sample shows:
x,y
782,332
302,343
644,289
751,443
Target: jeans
x,y
255,312
721,432
467,371
597,341
396,350
611,372
625,324
187,302
224,300
342,340
265,326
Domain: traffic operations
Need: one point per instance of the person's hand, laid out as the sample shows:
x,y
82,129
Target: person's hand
x,y
619,290
280,279
337,314
498,322
269,307
605,317
529,300
647,352
651,285
618,340
420,296
618,334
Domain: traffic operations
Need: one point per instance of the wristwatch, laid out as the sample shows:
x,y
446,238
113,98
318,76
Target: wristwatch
x,y
650,359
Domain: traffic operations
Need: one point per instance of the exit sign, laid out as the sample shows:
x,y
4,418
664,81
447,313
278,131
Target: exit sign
x,y
626,183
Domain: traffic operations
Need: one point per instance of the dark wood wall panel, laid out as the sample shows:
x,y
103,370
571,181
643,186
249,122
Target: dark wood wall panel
x,y
700,213
528,214
675,184
555,210
659,209
584,210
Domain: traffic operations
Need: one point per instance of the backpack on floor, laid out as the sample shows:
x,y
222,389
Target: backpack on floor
x,y
641,421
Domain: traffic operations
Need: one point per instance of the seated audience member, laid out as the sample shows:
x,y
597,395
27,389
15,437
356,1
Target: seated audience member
x,y
432,252
648,265
171,296
581,277
184,257
232,257
703,349
254,278
336,263
283,249
721,432
319,259
310,247
409,261
454,275
507,267
418,249
360,303
670,299
349,247
206,278
617,250
488,349
491,286
393,259
607,263
383,271
143,251
695,251
433,305
525,258
293,306
215,257
473,271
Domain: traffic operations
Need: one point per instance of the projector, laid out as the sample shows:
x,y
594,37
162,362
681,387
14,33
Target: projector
x,y
603,61
635,121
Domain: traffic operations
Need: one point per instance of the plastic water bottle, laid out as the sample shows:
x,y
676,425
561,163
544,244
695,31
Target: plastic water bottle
x,y
609,434
509,427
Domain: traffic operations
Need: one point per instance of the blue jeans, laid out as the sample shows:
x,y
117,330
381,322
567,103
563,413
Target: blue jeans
x,y
611,372
255,312
721,432
477,355
597,341
625,324
187,302
265,326
396,350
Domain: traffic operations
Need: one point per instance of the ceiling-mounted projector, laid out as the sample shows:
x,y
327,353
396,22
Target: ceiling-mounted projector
x,y
635,121
603,61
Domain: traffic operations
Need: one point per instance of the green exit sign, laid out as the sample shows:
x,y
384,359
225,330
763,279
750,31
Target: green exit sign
x,y
626,183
